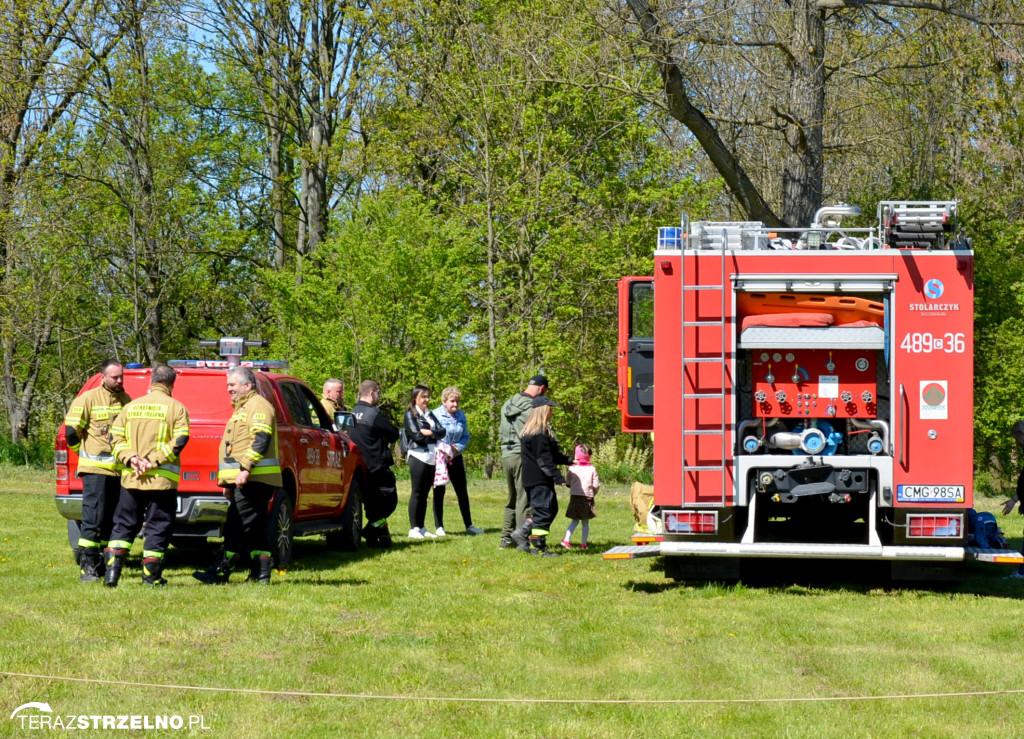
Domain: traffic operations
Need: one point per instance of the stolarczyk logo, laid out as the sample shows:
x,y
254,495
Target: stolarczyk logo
x,y
933,289
44,718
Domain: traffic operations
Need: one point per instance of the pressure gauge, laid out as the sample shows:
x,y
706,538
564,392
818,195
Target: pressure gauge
x,y
861,364
764,356
790,357
777,357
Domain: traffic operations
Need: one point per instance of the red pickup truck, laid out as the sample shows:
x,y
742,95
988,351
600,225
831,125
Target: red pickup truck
x,y
322,468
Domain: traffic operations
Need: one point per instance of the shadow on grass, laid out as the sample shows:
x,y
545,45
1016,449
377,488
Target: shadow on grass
x,y
809,577
310,554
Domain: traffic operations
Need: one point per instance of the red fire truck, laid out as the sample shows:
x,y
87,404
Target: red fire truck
x,y
810,392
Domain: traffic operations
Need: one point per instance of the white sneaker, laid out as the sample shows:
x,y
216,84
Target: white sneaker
x,y
424,534
471,529
416,534
440,532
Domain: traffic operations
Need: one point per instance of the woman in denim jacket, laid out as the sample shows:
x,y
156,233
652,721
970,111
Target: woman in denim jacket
x,y
457,436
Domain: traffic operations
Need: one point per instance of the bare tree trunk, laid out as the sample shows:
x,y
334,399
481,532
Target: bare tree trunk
x,y
277,193
803,166
683,110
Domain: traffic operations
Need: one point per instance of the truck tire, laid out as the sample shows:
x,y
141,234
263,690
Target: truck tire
x,y
74,533
349,537
281,530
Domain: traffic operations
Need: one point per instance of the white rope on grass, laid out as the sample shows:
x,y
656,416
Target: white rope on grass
x,y
448,699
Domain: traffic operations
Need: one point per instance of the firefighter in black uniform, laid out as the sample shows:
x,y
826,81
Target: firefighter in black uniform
x,y
87,429
374,436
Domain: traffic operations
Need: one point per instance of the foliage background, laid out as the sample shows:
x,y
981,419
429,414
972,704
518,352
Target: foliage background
x,y
447,192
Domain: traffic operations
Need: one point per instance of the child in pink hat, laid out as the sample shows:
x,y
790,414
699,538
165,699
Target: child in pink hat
x,y
583,484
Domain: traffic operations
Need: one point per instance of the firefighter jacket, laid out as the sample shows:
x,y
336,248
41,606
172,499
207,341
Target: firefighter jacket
x,y
87,427
331,407
156,428
250,442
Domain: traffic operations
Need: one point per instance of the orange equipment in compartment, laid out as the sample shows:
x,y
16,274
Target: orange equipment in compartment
x,y
845,309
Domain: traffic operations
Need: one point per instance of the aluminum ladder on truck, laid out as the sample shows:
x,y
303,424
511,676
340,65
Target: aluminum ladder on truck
x,y
701,324
705,326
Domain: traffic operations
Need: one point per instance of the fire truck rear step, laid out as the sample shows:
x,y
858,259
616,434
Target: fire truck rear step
x,y
994,556
640,538
632,552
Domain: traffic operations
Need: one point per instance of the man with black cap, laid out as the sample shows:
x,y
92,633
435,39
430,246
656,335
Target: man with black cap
x,y
513,417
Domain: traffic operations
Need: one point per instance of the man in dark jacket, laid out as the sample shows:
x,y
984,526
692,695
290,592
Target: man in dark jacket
x,y
513,416
374,435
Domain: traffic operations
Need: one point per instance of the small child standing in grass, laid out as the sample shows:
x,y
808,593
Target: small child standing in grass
x,y
583,484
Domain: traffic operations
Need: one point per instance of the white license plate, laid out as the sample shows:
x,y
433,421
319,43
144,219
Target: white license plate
x,y
930,493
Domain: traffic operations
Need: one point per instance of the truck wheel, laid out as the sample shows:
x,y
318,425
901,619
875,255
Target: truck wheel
x,y
281,531
74,534
349,536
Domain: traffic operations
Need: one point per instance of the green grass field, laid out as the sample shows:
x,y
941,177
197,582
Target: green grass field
x,y
461,620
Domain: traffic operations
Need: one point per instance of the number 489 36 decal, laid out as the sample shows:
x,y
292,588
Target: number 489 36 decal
x,y
926,343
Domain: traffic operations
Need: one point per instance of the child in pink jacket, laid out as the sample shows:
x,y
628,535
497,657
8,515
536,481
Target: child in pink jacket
x,y
583,483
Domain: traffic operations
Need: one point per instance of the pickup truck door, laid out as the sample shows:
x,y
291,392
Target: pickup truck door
x,y
318,481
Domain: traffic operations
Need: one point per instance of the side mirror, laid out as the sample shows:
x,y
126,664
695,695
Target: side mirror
x,y
344,420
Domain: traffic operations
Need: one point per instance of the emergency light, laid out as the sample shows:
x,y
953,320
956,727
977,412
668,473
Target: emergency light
x,y
259,364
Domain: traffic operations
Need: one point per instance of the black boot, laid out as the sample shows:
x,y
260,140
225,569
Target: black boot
x,y
114,559
539,545
152,568
383,536
259,570
521,536
217,573
378,537
370,534
90,561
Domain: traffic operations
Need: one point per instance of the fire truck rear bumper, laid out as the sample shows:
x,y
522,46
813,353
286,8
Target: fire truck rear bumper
x,y
800,551
813,551
192,509
818,551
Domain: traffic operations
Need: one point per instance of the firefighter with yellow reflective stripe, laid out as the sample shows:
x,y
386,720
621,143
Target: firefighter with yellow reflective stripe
x,y
149,435
250,473
87,428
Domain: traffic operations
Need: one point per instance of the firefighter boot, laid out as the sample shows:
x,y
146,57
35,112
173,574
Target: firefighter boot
x,y
90,560
259,570
539,545
114,558
152,568
378,535
219,572
521,536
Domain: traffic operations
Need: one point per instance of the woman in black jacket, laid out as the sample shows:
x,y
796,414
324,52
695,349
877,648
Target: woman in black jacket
x,y
422,431
541,457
